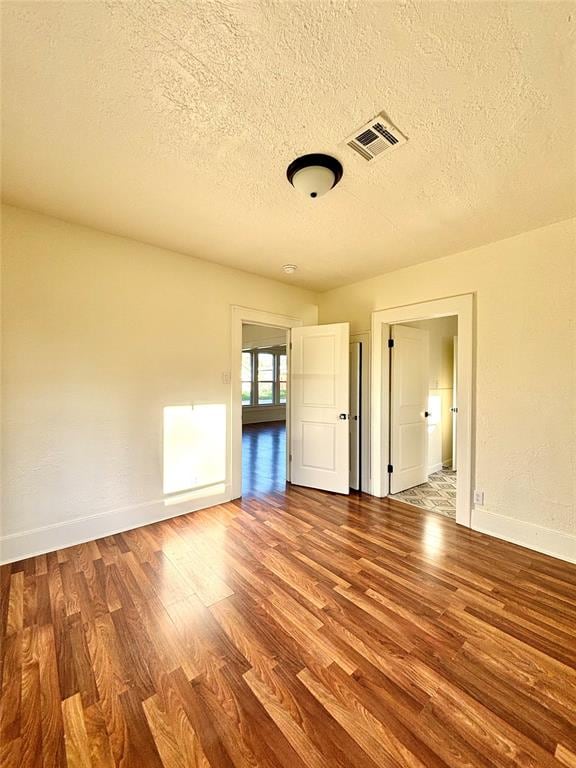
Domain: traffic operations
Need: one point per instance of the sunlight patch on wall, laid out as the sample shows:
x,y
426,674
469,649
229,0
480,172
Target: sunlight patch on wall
x,y
194,447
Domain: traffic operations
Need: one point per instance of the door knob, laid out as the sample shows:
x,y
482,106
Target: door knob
x,y
343,416
426,414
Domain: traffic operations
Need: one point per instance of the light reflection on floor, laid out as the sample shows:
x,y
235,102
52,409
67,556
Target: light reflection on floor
x,y
263,458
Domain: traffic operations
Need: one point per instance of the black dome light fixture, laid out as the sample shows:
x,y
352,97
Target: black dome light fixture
x,y
314,174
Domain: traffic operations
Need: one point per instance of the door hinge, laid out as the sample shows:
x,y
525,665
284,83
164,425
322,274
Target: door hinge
x,y
390,469
390,343
290,345
290,457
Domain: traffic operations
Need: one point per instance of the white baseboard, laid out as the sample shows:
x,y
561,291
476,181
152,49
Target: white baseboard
x,y
434,468
545,540
38,541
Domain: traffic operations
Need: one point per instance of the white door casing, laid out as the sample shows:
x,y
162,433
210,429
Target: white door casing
x,y
408,407
355,413
319,443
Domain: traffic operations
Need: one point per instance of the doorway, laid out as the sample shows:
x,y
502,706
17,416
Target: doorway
x,y
264,407
382,322
241,316
317,401
423,413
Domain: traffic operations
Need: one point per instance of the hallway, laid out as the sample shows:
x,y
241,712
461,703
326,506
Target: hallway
x,y
263,458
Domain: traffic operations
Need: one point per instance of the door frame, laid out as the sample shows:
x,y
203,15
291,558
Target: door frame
x,y
463,307
365,453
248,316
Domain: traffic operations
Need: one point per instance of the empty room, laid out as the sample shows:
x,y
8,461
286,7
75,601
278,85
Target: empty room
x,y
288,384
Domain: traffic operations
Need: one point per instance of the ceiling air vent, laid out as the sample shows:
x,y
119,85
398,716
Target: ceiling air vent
x,y
375,139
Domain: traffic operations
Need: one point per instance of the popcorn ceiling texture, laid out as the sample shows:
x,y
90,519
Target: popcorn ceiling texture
x,y
173,123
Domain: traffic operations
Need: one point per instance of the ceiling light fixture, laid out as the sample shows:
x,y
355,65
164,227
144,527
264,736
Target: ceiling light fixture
x,y
315,174
289,268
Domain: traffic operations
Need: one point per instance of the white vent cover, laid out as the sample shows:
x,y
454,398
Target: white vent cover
x,y
375,139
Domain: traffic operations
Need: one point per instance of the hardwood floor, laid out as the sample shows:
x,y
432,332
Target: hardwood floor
x,y
298,629
263,457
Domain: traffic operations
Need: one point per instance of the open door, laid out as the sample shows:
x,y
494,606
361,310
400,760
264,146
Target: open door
x,y
408,407
319,439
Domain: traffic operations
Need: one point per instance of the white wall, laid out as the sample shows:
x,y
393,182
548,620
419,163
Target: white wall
x,y
100,333
525,379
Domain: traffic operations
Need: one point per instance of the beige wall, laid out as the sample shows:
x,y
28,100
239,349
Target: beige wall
x,y
525,379
100,333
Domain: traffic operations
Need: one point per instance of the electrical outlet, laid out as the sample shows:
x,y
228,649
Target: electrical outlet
x,y
479,497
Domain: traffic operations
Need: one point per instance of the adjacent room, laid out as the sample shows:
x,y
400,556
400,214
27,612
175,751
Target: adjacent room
x,y
288,384
432,456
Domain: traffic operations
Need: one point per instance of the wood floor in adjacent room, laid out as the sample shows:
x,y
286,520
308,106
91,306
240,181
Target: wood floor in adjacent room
x,y
296,629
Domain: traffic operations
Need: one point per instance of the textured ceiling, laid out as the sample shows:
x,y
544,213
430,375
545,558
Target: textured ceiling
x,y
173,123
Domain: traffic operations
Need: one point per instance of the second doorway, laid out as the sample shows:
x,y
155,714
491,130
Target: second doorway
x,y
423,413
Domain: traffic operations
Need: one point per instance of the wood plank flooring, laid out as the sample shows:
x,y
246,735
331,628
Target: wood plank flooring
x,y
297,629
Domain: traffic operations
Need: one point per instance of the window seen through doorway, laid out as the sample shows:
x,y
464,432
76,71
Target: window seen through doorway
x,y
264,377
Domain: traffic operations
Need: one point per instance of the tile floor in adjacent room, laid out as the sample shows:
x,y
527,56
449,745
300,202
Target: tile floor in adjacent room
x,y
437,495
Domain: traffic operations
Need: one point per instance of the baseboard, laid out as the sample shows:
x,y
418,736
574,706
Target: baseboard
x,y
434,468
545,540
38,541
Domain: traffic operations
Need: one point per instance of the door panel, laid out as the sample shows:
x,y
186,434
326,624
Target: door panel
x,y
318,359
319,442
408,406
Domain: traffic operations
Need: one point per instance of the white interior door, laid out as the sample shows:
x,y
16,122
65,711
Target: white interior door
x,y
408,407
355,413
319,440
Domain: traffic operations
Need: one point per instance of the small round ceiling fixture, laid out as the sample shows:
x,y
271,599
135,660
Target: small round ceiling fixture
x,y
289,269
315,174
